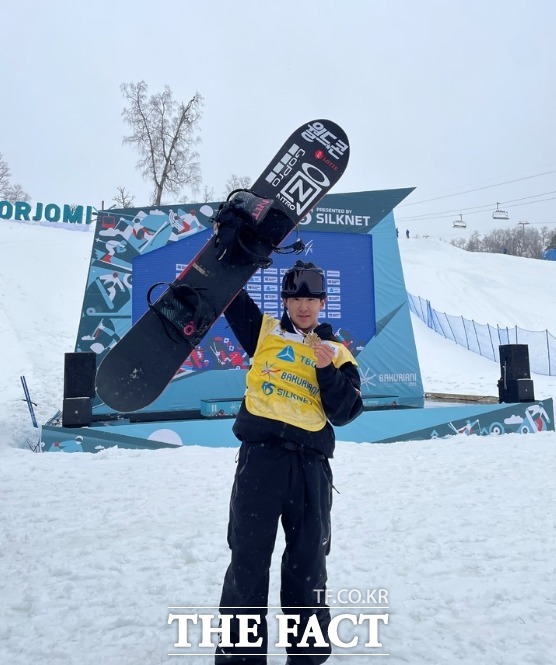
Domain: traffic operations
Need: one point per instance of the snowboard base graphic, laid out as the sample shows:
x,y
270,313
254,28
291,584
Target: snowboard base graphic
x,y
249,227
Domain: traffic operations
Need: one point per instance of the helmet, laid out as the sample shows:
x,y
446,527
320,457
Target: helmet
x,y
303,280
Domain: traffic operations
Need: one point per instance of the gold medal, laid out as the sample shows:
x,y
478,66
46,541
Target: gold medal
x,y
312,339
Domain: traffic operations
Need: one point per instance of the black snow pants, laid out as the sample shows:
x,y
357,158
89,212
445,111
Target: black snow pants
x,y
273,482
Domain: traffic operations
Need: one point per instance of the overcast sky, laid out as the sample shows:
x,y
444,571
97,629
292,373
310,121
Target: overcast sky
x,y
443,95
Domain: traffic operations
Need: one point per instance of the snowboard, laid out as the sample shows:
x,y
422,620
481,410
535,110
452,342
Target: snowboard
x,y
249,227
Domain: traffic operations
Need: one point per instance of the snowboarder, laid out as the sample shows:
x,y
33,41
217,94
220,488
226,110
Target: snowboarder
x,y
301,380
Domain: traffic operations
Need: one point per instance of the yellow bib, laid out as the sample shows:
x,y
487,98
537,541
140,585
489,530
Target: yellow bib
x,y
282,382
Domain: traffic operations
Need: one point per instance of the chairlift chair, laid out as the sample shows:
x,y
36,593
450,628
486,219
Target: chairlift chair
x,y
500,214
459,223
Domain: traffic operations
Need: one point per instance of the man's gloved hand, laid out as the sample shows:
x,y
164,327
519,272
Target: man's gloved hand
x,y
229,220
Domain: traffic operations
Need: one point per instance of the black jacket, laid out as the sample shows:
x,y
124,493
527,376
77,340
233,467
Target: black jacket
x,y
339,388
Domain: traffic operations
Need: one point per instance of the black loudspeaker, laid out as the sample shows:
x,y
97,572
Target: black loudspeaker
x,y
516,390
77,411
515,383
514,362
79,374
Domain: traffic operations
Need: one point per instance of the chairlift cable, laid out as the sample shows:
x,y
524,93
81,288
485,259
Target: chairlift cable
x,y
472,210
477,189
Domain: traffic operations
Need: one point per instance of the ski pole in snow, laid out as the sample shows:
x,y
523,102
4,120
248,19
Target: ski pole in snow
x,y
28,400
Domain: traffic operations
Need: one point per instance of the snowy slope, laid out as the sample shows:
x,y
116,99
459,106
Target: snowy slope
x,y
489,288
509,291
43,275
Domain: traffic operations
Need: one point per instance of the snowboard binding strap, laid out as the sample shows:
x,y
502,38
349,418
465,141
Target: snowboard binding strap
x,y
266,261
246,221
183,312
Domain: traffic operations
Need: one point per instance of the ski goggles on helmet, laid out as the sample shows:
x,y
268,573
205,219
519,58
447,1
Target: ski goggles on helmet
x,y
303,283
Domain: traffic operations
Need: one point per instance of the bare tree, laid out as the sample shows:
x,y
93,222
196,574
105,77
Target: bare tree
x,y
460,243
123,198
207,195
164,132
9,192
15,193
4,177
236,182
521,241
547,237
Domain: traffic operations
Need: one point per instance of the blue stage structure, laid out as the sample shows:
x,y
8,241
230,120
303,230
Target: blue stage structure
x,y
353,238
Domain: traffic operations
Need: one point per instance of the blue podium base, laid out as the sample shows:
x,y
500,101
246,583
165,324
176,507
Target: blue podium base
x,y
373,426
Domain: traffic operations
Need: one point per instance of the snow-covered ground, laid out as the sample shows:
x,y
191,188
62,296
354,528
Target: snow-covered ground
x,y
94,549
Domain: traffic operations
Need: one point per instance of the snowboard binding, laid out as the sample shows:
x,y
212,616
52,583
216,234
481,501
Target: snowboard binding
x,y
183,311
248,228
